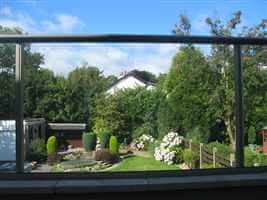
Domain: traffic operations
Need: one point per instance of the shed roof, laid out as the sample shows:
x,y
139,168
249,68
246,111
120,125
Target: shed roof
x,y
67,126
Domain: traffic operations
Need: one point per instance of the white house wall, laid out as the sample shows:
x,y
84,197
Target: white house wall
x,y
129,82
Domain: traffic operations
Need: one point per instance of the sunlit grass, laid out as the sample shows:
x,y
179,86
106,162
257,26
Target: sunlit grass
x,y
138,163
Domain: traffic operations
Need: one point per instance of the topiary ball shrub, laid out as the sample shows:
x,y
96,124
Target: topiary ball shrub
x,y
106,156
89,141
104,138
114,145
51,145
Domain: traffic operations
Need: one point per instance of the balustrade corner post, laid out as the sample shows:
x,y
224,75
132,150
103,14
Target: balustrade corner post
x,y
19,84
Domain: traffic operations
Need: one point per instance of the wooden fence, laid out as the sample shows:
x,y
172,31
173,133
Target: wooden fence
x,y
206,156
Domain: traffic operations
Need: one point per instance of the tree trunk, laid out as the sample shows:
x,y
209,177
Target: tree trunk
x,y
230,131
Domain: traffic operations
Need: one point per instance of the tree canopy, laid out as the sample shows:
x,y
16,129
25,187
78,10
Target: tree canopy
x,y
202,87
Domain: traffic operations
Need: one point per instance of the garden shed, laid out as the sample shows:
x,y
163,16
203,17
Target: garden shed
x,y
67,132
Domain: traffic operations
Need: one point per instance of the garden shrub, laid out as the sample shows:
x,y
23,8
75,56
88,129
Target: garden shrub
x,y
37,150
114,145
111,115
222,149
260,159
167,119
197,135
251,135
144,129
99,126
106,156
51,145
178,154
250,157
207,166
89,141
190,156
143,105
128,113
104,139
152,146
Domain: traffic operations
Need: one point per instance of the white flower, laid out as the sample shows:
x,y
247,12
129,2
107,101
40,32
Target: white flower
x,y
163,153
141,142
98,145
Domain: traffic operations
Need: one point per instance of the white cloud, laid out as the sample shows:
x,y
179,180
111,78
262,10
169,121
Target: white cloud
x,y
68,22
111,59
58,23
5,11
22,20
62,23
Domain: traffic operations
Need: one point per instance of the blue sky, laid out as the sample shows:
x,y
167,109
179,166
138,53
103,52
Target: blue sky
x,y
118,16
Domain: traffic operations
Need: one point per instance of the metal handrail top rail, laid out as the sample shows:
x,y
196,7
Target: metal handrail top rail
x,y
129,38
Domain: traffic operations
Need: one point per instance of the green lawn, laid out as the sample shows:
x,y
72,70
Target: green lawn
x,y
138,163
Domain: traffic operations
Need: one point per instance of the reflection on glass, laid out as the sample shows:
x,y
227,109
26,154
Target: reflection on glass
x,y
176,114
7,100
255,104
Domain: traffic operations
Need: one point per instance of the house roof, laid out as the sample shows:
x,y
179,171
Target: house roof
x,y
133,74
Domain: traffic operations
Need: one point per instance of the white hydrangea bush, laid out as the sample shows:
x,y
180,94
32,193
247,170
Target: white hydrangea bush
x,y
163,152
142,142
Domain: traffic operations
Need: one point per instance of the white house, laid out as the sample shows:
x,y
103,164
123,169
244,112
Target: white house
x,y
129,80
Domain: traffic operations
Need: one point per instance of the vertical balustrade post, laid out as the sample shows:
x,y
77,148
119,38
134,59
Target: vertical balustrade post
x,y
19,110
200,155
214,150
239,107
